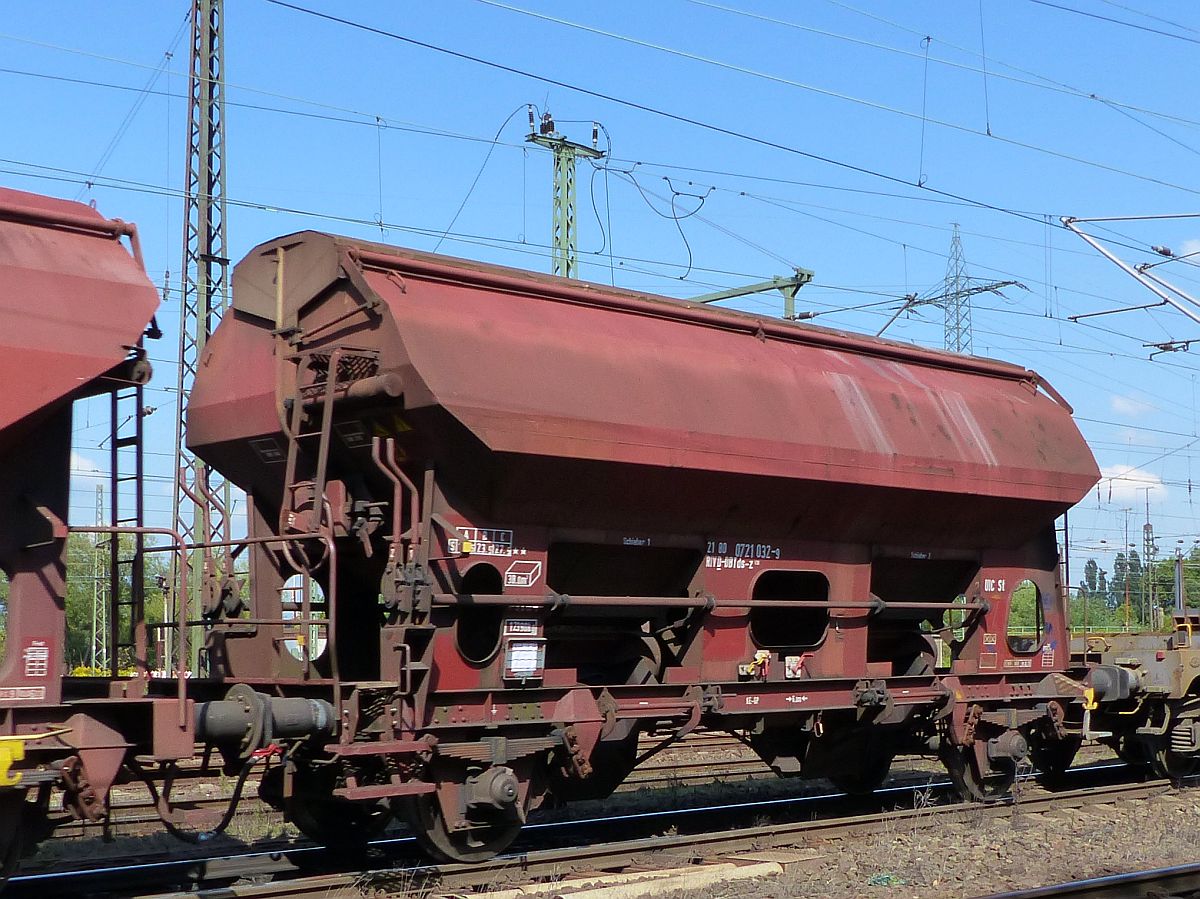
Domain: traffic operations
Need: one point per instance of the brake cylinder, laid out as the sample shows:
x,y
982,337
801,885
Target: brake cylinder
x,y
246,720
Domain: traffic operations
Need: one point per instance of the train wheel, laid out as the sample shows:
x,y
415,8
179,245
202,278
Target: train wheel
x,y
1172,765
336,823
340,825
973,777
12,808
475,844
1132,750
863,780
1052,758
872,762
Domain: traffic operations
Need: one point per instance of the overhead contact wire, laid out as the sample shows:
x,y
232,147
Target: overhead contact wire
x,y
662,113
882,107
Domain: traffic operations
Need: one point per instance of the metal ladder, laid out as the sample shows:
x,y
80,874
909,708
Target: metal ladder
x,y
321,376
127,606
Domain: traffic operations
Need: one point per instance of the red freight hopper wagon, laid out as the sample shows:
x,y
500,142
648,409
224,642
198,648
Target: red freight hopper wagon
x,y
74,305
543,517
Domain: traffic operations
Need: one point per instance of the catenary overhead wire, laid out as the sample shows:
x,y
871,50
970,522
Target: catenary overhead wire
x,y
1150,127
1140,12
790,202
375,122
513,245
74,176
1042,82
662,113
789,82
478,175
1134,25
364,118
1049,83
431,131
138,103
908,245
375,119
436,132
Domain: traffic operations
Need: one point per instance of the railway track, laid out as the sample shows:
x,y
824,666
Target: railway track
x,y
555,849
1175,882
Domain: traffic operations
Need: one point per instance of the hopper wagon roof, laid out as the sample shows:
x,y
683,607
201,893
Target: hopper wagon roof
x,y
534,364
72,300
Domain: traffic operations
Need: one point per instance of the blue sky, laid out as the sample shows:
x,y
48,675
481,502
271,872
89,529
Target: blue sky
x,y
811,126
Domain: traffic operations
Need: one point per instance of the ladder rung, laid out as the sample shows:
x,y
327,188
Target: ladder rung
x,y
126,441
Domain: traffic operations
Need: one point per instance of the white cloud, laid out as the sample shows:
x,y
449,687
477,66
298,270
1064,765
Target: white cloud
x,y
81,463
1126,484
85,472
1129,406
1189,246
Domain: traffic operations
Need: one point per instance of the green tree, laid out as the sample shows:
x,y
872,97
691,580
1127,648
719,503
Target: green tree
x,y
1095,582
1127,575
1094,605
1022,610
1191,577
1090,582
88,563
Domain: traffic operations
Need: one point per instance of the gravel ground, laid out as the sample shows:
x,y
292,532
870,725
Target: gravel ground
x,y
991,854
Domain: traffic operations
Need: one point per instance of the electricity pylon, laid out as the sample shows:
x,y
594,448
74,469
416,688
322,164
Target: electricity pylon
x,y
957,302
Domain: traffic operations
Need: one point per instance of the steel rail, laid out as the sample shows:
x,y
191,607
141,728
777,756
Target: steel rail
x,y
554,862
1154,882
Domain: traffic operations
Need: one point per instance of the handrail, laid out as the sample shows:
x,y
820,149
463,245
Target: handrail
x,y
708,603
180,668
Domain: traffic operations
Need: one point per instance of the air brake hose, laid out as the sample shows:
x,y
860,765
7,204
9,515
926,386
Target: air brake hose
x,y
165,812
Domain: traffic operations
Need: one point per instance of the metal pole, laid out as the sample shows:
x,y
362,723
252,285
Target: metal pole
x,y
99,653
563,224
1185,308
1066,574
204,286
1148,554
1179,598
1127,511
